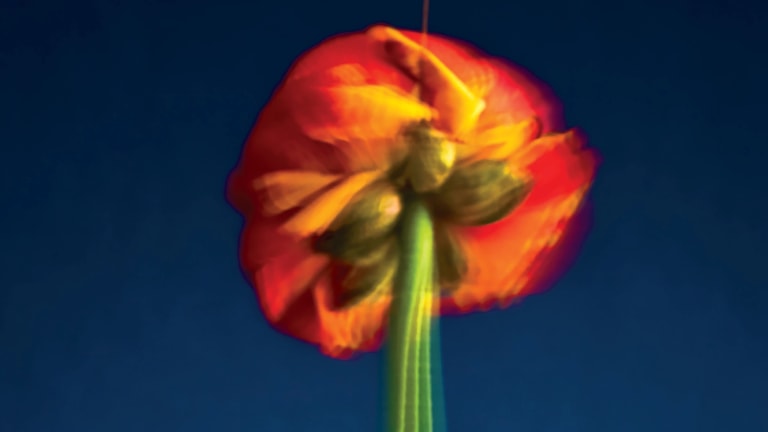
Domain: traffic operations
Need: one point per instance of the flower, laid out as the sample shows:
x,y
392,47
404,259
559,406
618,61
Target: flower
x,y
361,121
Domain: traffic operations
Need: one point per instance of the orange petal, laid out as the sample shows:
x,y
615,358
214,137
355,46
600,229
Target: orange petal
x,y
360,112
510,93
343,331
559,165
341,107
500,255
290,189
294,291
518,95
499,142
316,217
503,257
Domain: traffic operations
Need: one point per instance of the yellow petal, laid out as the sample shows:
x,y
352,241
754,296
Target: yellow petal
x,y
499,142
354,328
367,112
524,156
320,213
458,108
341,107
289,189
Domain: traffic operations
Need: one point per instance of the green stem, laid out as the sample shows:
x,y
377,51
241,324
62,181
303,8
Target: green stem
x,y
410,399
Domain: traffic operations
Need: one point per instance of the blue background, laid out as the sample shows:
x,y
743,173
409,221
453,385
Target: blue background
x,y
122,306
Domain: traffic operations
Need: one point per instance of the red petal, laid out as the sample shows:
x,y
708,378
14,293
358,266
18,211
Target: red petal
x,y
516,95
513,257
293,287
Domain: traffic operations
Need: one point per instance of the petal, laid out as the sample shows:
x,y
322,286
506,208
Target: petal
x,y
351,114
284,278
499,142
291,189
320,213
559,165
339,333
277,144
505,258
295,293
364,120
457,106
518,95
358,328
280,268
500,255
510,93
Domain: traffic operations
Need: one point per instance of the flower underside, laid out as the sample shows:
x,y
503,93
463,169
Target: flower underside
x,y
370,125
361,235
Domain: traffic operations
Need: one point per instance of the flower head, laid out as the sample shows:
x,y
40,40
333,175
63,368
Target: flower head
x,y
361,122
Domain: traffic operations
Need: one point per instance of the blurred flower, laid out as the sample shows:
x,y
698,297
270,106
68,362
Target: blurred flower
x,y
366,120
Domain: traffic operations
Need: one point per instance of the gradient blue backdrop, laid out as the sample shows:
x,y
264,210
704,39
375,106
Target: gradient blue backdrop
x,y
122,307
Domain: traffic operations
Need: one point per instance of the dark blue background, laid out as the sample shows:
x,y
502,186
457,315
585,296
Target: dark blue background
x,y
122,307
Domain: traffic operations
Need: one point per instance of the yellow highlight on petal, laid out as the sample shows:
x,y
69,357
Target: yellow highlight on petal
x,y
458,108
364,112
349,74
526,155
289,189
320,213
499,142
